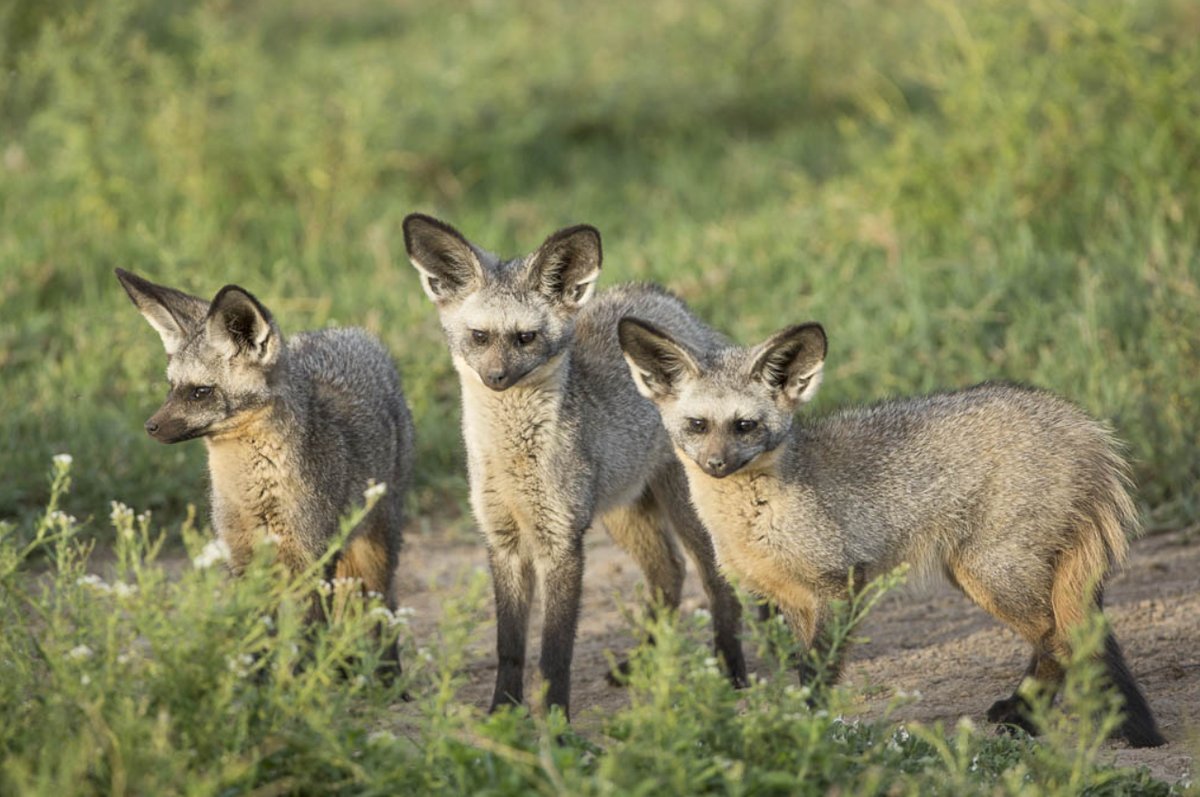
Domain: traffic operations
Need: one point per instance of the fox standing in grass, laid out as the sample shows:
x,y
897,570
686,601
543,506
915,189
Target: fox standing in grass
x,y
1018,496
295,429
557,436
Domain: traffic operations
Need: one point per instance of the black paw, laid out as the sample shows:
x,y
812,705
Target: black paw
x,y
1012,715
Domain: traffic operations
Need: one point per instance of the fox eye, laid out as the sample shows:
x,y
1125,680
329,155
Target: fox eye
x,y
200,393
697,425
479,337
745,426
525,338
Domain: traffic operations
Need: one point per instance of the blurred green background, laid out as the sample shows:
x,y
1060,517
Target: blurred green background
x,y
959,191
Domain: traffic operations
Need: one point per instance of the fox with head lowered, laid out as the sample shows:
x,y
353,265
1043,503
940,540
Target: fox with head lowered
x,y
1016,495
558,437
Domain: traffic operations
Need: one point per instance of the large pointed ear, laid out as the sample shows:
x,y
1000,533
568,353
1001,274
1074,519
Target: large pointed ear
x,y
564,268
446,261
791,362
240,326
173,314
659,365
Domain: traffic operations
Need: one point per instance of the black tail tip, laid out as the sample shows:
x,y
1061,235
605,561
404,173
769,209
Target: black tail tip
x,y
1142,732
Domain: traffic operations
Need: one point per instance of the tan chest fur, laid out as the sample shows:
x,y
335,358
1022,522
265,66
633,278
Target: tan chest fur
x,y
753,540
512,440
255,487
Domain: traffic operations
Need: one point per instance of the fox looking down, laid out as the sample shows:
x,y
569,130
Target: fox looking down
x,y
557,437
1016,495
295,429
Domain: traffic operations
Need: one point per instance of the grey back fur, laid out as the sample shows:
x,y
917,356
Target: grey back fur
x,y
296,429
1016,495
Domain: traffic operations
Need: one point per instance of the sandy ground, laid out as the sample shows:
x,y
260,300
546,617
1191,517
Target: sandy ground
x,y
930,640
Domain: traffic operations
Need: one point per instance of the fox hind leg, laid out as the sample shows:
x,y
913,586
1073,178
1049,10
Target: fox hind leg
x,y
638,530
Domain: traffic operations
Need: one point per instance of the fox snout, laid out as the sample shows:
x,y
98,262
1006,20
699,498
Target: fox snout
x,y
498,378
719,462
166,428
499,371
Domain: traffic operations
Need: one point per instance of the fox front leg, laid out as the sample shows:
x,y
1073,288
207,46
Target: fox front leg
x,y
512,581
806,615
562,587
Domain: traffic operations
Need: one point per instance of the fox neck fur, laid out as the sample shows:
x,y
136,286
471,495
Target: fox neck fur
x,y
255,468
752,515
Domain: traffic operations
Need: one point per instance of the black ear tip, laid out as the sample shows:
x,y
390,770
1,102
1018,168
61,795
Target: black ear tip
x,y
631,329
414,218
227,290
414,222
236,293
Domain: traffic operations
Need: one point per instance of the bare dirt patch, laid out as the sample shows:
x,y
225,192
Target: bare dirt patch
x,y
932,641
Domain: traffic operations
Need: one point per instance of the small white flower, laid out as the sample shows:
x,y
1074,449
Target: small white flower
x,y
404,611
123,590
62,518
324,587
378,737
85,679
63,460
974,764
124,658
79,652
383,614
215,552
425,654
360,681
267,621
375,490
711,663
372,595
965,724
702,614
120,515
240,665
93,581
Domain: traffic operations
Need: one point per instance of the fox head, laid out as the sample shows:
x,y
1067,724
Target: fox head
x,y
222,356
725,409
506,321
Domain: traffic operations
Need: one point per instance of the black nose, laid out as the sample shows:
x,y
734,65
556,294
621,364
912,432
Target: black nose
x,y
151,426
496,378
716,464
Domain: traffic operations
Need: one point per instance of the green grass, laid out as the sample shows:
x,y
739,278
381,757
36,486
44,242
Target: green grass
x,y
959,192
101,693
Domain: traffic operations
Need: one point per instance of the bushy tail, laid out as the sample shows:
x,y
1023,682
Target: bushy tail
x,y
1104,520
1105,523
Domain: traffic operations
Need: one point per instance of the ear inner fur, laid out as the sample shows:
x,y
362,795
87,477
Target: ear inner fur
x,y
445,259
659,361
566,265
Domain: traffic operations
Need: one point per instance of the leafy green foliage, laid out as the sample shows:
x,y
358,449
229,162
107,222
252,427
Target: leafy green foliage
x,y
119,676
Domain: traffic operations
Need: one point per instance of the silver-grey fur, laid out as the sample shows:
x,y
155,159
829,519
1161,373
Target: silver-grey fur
x,y
295,429
1016,495
557,436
